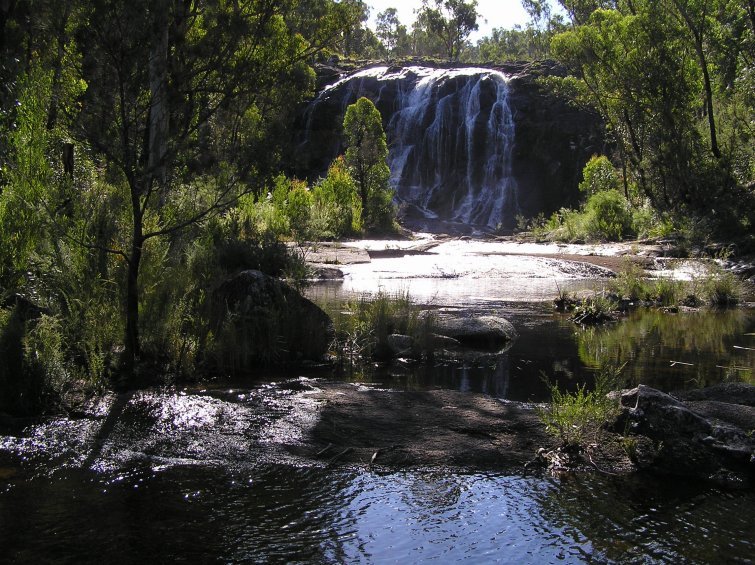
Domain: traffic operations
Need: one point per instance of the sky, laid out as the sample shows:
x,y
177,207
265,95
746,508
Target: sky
x,y
498,13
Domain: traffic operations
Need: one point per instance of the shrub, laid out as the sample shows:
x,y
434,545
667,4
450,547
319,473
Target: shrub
x,y
668,292
298,205
598,175
630,282
336,202
594,310
576,418
32,365
364,327
608,216
720,288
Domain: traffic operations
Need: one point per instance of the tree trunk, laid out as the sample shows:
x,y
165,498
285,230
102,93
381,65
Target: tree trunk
x,y
158,86
709,103
697,36
132,347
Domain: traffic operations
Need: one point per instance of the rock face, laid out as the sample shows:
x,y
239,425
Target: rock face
x,y
260,320
704,438
468,146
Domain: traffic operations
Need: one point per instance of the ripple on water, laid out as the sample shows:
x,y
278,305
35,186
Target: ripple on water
x,y
283,512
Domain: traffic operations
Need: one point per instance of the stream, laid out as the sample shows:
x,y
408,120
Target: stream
x,y
217,472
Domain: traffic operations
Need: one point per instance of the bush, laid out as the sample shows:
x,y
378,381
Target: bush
x,y
598,175
576,418
630,282
668,292
32,364
608,216
720,288
364,327
336,205
298,210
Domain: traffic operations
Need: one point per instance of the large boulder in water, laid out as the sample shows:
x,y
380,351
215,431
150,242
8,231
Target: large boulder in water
x,y
707,439
488,332
260,320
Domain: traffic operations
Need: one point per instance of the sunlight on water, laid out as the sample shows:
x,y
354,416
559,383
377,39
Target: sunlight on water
x,y
282,513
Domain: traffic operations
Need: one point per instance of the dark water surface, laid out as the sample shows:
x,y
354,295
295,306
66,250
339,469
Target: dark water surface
x,y
203,475
280,513
671,352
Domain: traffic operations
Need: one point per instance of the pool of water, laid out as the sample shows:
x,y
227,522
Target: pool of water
x,y
671,352
207,474
281,513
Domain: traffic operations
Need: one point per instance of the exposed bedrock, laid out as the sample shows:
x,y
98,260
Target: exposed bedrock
x,y
706,433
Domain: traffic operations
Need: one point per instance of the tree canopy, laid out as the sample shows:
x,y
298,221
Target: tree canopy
x,y
451,21
673,81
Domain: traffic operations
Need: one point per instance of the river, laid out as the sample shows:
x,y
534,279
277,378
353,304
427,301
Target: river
x,y
215,472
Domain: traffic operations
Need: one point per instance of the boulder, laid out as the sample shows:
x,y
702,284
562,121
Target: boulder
x,y
400,344
322,273
438,341
708,439
260,320
488,332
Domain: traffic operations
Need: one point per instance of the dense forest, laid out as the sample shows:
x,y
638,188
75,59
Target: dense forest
x,y
144,145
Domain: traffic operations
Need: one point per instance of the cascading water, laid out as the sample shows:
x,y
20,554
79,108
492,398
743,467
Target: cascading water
x,y
451,143
450,134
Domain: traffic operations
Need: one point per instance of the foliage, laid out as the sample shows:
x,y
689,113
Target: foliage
x,y
363,327
598,176
451,21
337,203
669,78
168,113
608,216
366,156
22,227
513,45
630,282
594,310
576,418
718,288
330,210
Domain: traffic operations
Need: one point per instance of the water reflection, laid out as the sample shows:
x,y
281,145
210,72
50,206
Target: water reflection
x,y
666,351
674,351
282,513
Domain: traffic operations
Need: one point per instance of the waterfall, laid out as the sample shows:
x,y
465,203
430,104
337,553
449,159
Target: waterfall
x,y
450,134
450,142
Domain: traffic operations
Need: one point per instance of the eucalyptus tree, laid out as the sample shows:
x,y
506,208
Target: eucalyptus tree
x,y
387,28
169,82
452,21
650,67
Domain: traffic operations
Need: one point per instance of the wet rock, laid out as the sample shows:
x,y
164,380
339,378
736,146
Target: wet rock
x,y
400,344
488,332
438,341
705,439
320,273
258,319
553,138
